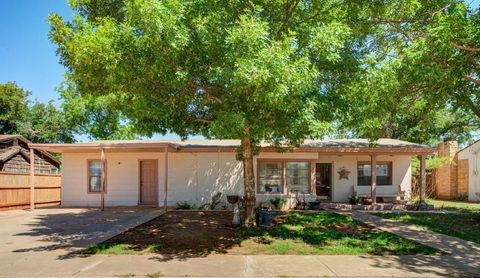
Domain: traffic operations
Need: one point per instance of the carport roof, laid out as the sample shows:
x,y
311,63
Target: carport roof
x,y
383,145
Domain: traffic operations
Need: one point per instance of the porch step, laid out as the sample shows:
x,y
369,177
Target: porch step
x,y
345,206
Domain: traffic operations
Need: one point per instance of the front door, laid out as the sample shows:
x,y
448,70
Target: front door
x,y
323,177
148,169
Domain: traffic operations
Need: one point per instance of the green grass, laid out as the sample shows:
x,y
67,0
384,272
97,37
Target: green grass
x,y
296,233
455,205
464,224
325,233
118,249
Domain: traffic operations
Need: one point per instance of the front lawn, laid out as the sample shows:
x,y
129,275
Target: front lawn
x,y
193,233
455,205
464,224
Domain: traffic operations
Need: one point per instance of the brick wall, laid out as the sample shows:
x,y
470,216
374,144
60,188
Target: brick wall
x,y
446,175
451,179
462,176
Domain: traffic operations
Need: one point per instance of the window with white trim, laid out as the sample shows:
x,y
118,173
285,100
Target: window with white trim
x,y
384,173
270,177
94,176
297,176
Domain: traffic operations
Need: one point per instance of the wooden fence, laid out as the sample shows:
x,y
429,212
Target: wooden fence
x,y
15,190
430,190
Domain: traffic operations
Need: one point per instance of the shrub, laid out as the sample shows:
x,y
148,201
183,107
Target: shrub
x,y
185,205
416,203
354,200
278,202
215,200
461,197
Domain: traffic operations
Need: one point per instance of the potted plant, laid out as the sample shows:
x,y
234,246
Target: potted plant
x,y
366,200
278,203
265,214
354,200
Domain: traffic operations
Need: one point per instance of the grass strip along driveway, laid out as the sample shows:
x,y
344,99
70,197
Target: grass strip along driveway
x,y
199,233
464,224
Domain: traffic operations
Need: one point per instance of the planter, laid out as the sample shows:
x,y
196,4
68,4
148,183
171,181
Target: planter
x,y
232,199
314,205
367,201
266,217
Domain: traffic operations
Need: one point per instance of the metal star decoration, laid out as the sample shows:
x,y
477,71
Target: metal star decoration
x,y
343,173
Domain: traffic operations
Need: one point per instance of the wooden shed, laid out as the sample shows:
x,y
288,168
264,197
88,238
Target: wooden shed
x,y
15,174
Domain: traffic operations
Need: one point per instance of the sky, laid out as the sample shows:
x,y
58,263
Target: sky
x,y
26,54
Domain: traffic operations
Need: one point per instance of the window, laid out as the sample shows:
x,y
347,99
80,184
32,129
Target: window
x,y
298,177
94,175
384,173
270,177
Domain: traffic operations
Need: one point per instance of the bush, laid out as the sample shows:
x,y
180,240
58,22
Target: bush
x,y
215,200
354,200
278,202
185,205
462,197
416,203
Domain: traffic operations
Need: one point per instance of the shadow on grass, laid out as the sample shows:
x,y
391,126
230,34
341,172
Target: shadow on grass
x,y
186,234
176,234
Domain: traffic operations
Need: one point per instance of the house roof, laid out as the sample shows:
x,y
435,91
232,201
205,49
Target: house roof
x,y
469,146
383,145
9,152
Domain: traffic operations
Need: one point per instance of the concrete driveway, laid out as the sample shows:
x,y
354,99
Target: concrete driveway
x,y
66,228
41,242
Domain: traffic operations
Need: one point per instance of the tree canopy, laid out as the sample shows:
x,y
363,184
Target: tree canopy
x,y
250,70
36,121
421,79
95,117
278,71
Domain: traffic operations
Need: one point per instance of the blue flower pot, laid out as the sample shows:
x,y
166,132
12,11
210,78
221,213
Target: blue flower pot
x,y
266,218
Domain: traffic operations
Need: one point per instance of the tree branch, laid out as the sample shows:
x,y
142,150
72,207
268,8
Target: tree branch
x,y
467,101
470,78
466,48
289,9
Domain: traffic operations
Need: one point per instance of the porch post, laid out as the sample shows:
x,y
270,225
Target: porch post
x,y
32,179
422,178
373,184
165,180
102,179
313,187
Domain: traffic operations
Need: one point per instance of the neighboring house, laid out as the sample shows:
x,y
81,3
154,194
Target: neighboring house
x,y
461,178
167,172
15,157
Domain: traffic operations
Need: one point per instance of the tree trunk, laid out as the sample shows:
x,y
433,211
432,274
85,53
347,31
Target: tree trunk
x,y
248,180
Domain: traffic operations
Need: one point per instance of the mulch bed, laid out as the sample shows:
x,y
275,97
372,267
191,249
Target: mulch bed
x,y
184,232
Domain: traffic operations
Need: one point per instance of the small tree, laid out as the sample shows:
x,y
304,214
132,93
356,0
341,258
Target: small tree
x,y
243,70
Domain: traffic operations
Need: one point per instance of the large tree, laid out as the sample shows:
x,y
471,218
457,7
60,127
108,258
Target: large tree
x,y
376,105
248,70
36,121
13,107
96,117
426,71
46,124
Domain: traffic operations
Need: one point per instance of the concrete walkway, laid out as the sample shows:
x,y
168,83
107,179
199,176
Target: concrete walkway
x,y
466,252
56,264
